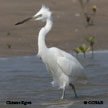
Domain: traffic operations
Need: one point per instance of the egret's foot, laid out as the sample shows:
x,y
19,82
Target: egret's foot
x,y
73,87
63,94
62,98
76,96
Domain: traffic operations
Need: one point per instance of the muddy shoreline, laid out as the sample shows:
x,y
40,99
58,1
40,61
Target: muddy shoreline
x,y
68,32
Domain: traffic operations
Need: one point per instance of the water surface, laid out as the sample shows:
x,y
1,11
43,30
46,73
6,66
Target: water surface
x,y
26,79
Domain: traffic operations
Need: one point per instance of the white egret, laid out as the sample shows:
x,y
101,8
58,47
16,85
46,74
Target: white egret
x,y
64,68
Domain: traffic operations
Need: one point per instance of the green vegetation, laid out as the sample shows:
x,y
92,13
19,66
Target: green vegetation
x,y
9,46
88,18
81,49
88,13
84,48
77,51
91,41
94,8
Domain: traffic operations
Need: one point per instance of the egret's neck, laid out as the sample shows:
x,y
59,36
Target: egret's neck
x,y
43,32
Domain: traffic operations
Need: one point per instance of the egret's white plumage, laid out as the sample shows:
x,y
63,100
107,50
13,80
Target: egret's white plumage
x,y
64,68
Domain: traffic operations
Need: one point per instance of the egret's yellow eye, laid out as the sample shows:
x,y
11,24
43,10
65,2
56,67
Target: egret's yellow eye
x,y
38,16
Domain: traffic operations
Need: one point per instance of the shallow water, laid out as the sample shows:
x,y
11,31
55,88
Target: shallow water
x,y
26,79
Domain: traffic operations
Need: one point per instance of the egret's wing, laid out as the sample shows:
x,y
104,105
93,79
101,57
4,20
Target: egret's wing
x,y
73,69
67,66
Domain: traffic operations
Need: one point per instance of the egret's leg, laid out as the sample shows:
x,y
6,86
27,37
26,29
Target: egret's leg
x,y
73,87
63,94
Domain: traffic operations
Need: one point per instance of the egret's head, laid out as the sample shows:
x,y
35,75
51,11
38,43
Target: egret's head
x,y
43,14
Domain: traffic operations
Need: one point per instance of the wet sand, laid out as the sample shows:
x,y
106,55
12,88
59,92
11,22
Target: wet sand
x,y
68,31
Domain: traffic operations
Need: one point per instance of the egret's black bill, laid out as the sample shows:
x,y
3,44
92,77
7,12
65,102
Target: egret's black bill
x,y
25,20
